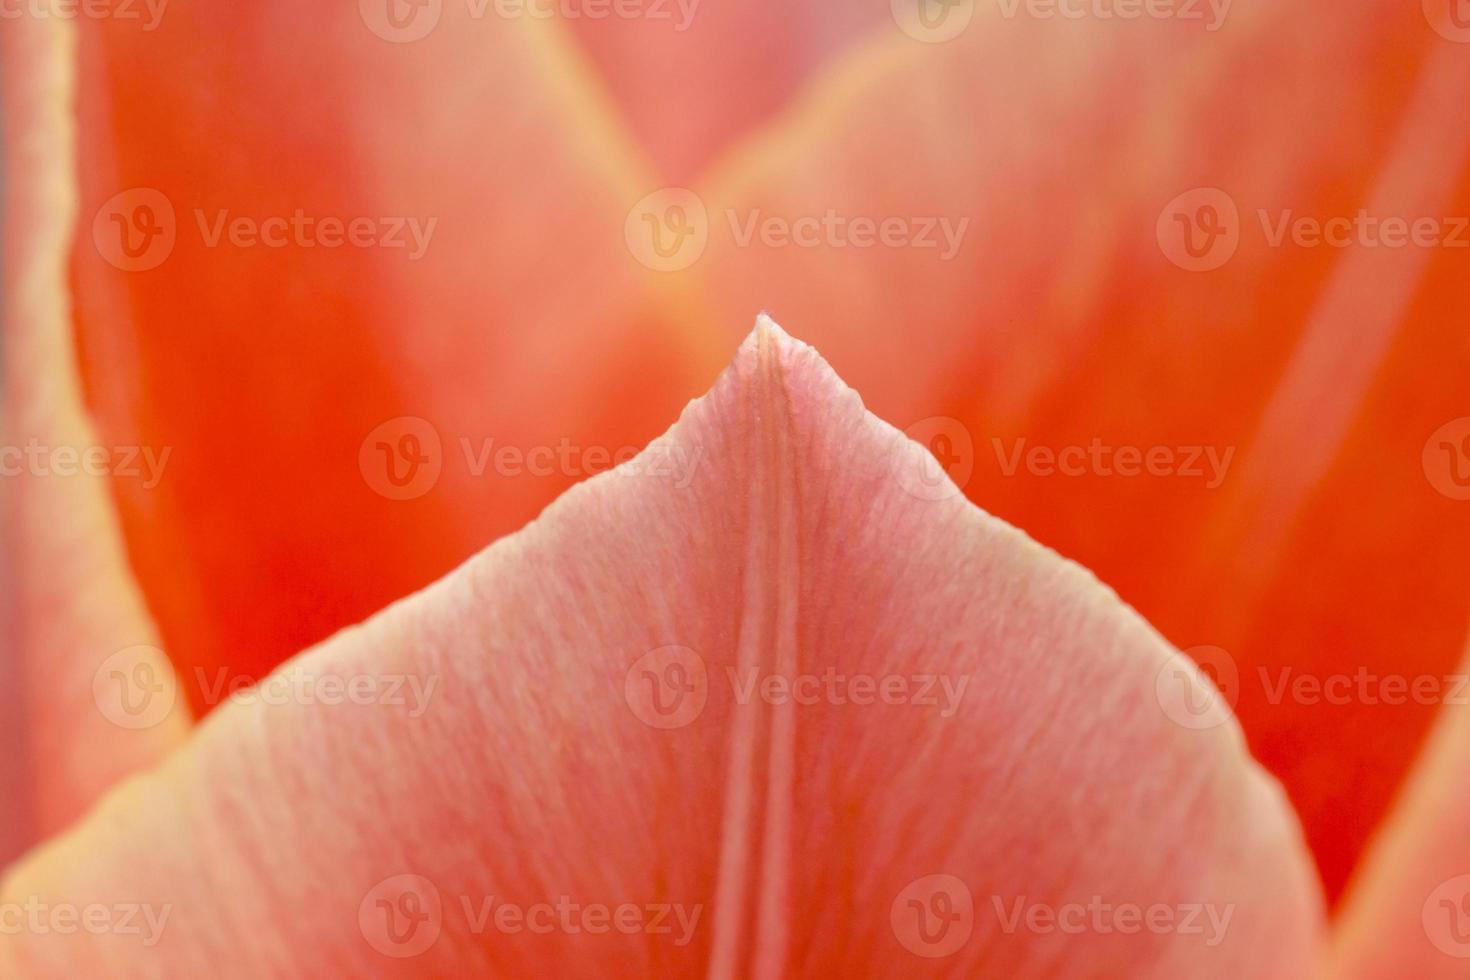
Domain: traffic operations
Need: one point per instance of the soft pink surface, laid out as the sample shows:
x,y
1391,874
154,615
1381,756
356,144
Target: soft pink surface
x,y
805,541
67,599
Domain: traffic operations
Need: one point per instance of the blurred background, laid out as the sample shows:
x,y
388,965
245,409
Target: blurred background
x,y
1176,286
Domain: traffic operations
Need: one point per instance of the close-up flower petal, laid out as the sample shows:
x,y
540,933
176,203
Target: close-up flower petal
x,y
817,704
355,619
75,629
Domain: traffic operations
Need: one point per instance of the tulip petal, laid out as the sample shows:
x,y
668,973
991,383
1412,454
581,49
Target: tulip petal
x,y
1289,388
282,358
692,76
72,613
1407,911
605,725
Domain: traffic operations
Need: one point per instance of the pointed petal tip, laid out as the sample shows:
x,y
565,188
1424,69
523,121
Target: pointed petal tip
x,y
769,339
769,352
766,327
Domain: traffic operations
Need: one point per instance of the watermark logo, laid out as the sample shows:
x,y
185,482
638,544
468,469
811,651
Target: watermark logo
x,y
667,687
401,21
933,21
671,228
402,458
570,917
406,21
939,459
401,916
835,229
136,230
37,917
1098,916
1210,12
35,458
1199,230
1362,230
1208,464
667,230
298,684
1362,686
837,689
933,916
134,688
679,13
1446,459
298,229
1449,18
147,12
1202,696
664,459
1446,917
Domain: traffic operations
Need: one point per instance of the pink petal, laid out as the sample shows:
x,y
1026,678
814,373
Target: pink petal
x,y
72,616
553,759
1317,373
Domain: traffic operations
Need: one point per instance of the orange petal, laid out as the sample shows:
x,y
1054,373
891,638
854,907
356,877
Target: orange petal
x,y
73,619
494,307
1407,913
690,76
1055,150
600,720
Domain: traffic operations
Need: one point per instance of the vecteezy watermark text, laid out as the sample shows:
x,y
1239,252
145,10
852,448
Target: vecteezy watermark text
x,y
669,229
1098,916
311,231
406,21
1363,229
1201,229
1211,12
402,916
835,688
941,459
403,459
834,229
298,684
1363,686
1201,689
674,462
37,917
679,13
668,687
35,458
148,12
138,229
1209,463
565,915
